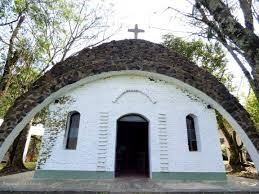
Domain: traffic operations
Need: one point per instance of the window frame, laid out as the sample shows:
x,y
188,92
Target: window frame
x,y
66,138
188,131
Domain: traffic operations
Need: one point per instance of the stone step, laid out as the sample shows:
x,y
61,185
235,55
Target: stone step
x,y
24,183
137,192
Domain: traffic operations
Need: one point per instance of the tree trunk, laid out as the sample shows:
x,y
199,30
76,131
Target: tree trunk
x,y
236,158
234,149
244,38
12,58
34,144
15,162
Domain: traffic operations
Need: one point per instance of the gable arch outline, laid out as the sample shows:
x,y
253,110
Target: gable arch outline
x,y
249,145
134,91
137,57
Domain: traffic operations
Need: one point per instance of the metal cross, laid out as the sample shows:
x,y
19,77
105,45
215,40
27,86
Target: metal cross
x,y
136,30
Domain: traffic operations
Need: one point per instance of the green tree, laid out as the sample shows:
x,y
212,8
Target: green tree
x,y
35,35
208,56
252,107
45,32
18,85
220,20
211,57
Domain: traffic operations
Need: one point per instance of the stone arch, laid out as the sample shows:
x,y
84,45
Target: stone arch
x,y
125,56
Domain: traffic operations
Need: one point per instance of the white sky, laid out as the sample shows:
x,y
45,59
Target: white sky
x,y
154,17
150,15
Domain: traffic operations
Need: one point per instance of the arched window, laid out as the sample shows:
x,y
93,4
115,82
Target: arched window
x,y
72,130
192,140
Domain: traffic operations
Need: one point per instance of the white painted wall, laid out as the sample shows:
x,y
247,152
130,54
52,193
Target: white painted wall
x,y
124,94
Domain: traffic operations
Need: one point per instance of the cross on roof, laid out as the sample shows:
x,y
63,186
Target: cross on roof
x,y
136,30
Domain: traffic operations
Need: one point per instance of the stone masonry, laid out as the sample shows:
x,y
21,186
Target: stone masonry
x,y
126,55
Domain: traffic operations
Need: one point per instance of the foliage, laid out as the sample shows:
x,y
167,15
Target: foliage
x,y
33,150
30,165
232,23
54,126
18,85
212,58
252,106
224,152
209,56
35,35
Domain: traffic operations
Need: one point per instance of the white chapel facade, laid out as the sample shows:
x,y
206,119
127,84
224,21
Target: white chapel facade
x,y
129,108
130,124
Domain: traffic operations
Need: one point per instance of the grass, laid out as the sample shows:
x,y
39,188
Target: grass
x,y
2,166
28,165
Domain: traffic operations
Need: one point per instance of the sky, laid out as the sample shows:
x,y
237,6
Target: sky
x,y
151,15
157,19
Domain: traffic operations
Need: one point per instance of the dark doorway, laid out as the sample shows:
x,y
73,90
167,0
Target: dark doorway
x,y
132,157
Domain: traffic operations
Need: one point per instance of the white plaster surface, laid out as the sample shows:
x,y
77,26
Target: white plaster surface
x,y
150,99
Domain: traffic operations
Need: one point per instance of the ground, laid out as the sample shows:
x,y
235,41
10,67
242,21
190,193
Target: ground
x,y
29,166
249,172
24,182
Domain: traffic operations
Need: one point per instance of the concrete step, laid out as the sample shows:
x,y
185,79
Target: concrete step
x,y
104,192
23,183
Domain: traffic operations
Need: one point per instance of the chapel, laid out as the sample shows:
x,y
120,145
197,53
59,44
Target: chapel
x,y
129,108
130,123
